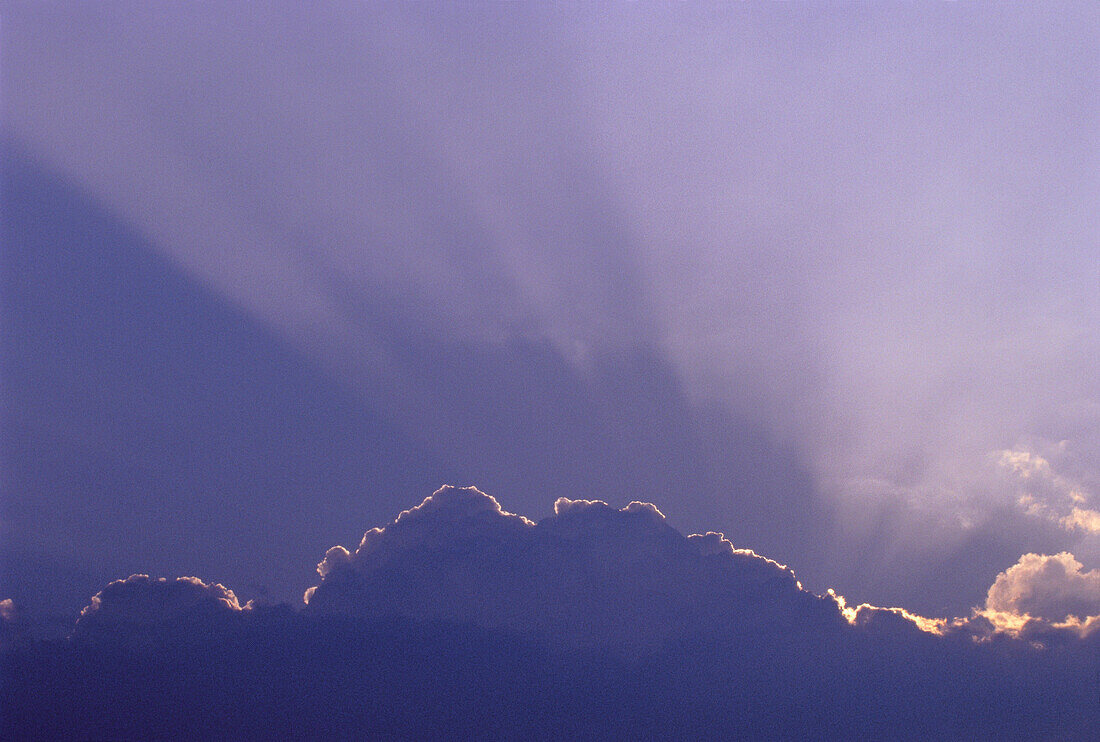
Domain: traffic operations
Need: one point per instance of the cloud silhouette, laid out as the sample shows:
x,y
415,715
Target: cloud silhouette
x,y
596,575
590,574
141,601
462,619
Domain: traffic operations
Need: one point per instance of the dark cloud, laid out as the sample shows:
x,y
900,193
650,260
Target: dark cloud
x,y
794,276
589,574
461,619
595,574
140,601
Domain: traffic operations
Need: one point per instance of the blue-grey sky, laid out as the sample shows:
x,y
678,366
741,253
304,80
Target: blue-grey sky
x,y
822,278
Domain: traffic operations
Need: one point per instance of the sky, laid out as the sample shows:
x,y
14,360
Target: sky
x,y
757,340
821,278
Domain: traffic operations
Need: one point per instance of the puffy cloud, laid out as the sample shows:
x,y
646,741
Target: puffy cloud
x,y
1049,588
647,509
1025,463
564,505
334,557
457,502
448,512
594,574
141,600
590,574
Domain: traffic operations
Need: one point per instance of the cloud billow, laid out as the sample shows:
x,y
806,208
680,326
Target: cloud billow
x,y
140,601
589,574
593,574
1046,589
461,619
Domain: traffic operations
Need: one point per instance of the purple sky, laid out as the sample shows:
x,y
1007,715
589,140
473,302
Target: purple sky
x,y
849,253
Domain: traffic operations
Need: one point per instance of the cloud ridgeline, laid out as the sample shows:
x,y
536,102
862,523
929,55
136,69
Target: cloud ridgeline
x,y
461,618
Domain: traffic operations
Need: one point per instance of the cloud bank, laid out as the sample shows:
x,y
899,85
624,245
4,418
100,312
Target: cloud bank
x,y
460,618
596,574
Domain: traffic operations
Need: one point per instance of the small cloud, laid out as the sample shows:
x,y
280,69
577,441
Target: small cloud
x,y
1043,491
144,600
1049,588
1023,462
335,557
1082,519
